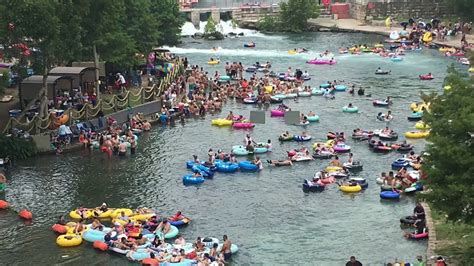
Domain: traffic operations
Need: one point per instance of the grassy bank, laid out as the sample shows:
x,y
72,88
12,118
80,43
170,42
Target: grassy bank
x,y
454,240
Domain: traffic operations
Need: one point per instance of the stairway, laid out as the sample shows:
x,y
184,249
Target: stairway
x,y
325,13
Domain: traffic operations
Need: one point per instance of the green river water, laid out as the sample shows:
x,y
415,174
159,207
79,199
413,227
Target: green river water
x,y
267,214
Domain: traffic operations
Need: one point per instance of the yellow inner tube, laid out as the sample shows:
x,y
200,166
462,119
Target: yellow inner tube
x,y
69,240
471,70
141,217
447,49
119,221
221,122
421,125
420,107
215,62
118,212
378,45
74,215
333,168
292,52
350,189
269,89
417,134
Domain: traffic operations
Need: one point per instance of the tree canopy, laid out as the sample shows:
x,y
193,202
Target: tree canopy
x,y
463,8
450,161
65,31
294,15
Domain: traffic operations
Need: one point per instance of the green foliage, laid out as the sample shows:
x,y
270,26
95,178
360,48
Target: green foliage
x,y
17,148
234,23
450,162
293,17
463,8
4,80
67,30
294,14
210,26
211,32
269,23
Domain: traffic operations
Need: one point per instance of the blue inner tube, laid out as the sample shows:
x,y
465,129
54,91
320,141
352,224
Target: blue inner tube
x,y
389,195
192,180
324,85
314,188
400,163
227,167
248,166
93,235
340,87
301,138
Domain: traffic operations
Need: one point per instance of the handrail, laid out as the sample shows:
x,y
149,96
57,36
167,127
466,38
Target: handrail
x,y
88,110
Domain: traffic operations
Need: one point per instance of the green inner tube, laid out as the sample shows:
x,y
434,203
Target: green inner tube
x,y
347,109
314,118
290,137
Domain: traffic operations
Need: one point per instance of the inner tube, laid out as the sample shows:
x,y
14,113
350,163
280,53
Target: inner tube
x,y
408,220
301,138
391,136
248,166
340,87
347,109
418,236
400,163
382,72
389,195
310,186
192,180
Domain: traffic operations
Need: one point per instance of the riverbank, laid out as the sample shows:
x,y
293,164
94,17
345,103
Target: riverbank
x,y
352,25
452,240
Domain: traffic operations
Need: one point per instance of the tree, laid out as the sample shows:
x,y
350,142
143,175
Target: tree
x,y
463,8
294,14
35,22
450,163
211,32
170,20
269,23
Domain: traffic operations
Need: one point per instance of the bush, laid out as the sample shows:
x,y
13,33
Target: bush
x,y
269,23
17,148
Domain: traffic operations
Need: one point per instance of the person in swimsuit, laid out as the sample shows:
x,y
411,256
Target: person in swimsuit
x,y
280,162
164,227
335,162
122,149
198,245
258,163
226,248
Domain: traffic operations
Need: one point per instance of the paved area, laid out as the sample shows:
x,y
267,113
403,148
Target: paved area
x,y
356,25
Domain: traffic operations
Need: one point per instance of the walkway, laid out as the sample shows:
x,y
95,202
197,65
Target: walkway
x,y
356,26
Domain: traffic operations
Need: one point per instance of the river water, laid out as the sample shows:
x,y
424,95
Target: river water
x,y
266,214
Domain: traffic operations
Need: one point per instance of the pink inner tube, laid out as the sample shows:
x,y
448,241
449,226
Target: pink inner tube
x,y
419,236
243,125
277,113
321,62
426,77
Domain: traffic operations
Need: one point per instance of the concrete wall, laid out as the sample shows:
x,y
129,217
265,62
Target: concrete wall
x,y
401,9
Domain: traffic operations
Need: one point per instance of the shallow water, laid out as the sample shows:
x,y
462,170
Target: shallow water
x,y
266,214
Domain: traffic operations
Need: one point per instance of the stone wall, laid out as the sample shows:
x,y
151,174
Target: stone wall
x,y
401,9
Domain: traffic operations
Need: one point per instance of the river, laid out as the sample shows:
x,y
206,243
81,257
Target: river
x,y
267,214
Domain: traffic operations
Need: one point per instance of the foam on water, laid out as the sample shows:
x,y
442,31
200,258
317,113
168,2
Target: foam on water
x,y
225,27
241,52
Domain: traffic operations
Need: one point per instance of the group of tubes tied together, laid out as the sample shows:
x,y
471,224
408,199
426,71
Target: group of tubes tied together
x,y
139,234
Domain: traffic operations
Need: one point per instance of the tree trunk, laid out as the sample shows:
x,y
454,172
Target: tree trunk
x,y
96,65
44,95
